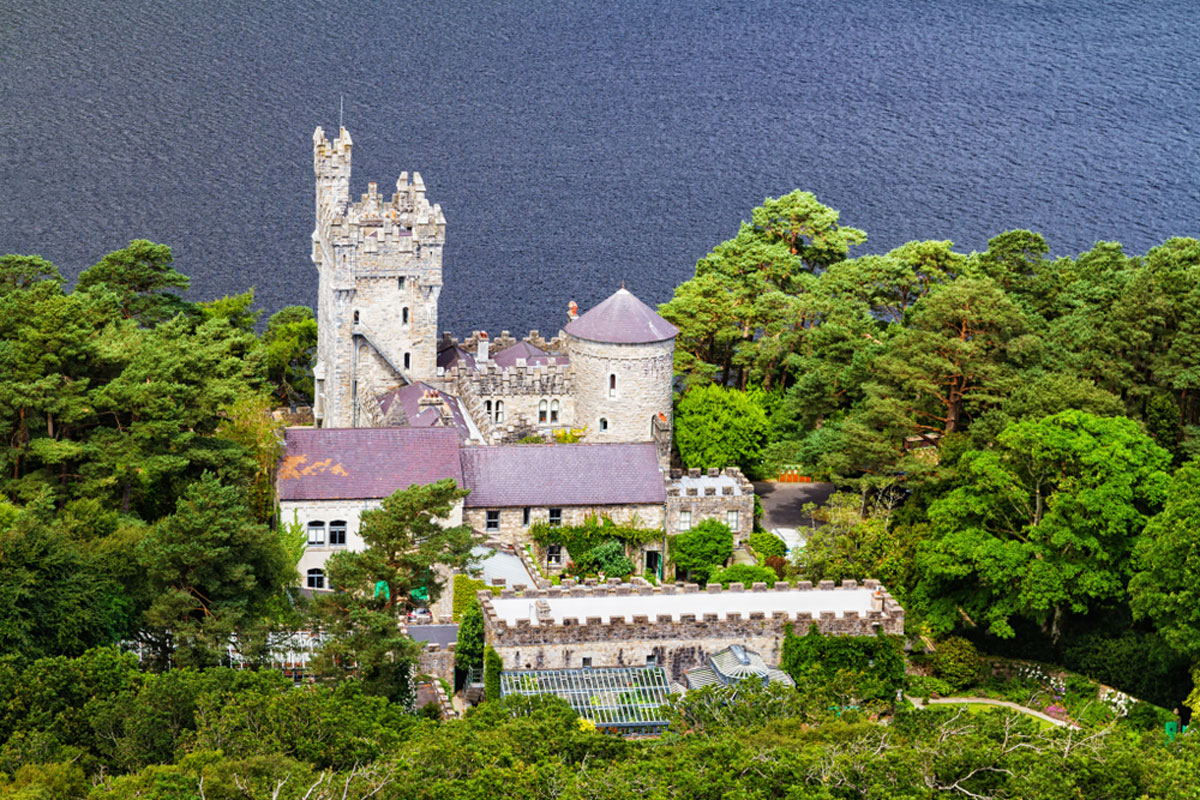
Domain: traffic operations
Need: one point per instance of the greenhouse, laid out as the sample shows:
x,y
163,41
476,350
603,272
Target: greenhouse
x,y
621,700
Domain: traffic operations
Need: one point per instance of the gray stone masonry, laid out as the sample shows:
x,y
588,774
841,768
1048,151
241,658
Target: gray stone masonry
x,y
711,494
380,267
678,644
643,375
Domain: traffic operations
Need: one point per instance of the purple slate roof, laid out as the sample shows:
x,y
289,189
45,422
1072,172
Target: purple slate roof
x,y
452,355
533,356
562,475
409,398
623,319
364,463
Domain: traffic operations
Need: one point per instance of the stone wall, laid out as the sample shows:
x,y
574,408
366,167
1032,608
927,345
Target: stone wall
x,y
514,533
711,502
644,374
675,644
379,260
438,661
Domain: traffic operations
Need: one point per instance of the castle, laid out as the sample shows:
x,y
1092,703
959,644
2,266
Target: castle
x,y
380,362
398,405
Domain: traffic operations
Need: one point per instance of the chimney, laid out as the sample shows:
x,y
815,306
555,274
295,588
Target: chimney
x,y
572,311
481,356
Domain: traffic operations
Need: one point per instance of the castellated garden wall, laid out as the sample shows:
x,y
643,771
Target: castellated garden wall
x,y
657,631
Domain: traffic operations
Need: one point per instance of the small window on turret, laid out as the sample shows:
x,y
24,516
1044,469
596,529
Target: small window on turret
x,y
612,385
356,317
404,315
407,360
400,283
603,424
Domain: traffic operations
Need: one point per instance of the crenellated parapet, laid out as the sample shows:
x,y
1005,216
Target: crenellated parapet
x,y
573,613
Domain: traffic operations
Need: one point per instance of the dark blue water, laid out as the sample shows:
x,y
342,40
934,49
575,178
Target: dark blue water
x,y
574,144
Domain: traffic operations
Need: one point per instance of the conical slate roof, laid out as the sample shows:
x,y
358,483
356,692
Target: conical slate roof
x,y
622,319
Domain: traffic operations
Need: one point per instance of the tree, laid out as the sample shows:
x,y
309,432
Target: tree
x,y
719,427
492,666
701,550
1042,525
139,276
291,341
468,653
1167,559
406,542
212,570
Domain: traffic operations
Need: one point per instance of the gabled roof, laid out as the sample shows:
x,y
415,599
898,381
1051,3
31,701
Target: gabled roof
x,y
409,398
622,319
364,463
562,475
451,356
533,356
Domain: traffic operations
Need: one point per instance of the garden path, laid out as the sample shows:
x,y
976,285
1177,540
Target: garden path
x,y
987,701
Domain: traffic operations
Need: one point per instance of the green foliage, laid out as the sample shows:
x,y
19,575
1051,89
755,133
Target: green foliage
x,y
925,686
718,427
139,277
701,550
464,593
767,544
468,653
746,574
532,438
956,661
405,544
492,667
844,668
290,343
1043,524
1168,565
593,532
1138,663
607,557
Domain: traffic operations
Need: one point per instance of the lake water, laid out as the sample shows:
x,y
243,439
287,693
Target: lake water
x,y
575,144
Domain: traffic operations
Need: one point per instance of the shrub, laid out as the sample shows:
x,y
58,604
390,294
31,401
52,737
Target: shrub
x,y
778,565
926,685
607,557
956,661
464,594
720,427
702,549
492,666
747,574
532,438
767,544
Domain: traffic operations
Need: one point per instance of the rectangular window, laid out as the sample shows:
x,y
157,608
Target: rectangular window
x,y
556,516
400,282
587,663
525,516
337,532
316,532
685,520
651,660
493,520
554,555
731,519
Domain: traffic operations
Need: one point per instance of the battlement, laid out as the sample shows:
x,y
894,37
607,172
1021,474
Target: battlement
x,y
708,483
596,612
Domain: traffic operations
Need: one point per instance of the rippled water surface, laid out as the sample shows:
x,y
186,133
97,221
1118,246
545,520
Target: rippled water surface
x,y
577,144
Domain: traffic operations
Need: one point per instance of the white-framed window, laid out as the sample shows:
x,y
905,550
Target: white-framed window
x,y
493,520
554,555
316,532
499,412
316,579
543,411
603,424
337,532
553,412
731,519
612,384
685,520
404,315
525,516
556,516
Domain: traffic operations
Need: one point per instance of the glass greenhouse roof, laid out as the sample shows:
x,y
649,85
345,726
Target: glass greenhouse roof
x,y
620,697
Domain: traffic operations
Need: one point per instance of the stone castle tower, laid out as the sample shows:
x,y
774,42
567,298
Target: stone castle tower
x,y
380,266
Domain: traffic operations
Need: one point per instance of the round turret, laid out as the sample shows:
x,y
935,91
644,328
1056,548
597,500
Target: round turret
x,y
622,362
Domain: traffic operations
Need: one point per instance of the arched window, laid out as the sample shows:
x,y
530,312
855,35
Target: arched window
x,y
603,424
316,579
553,412
543,411
404,315
337,532
499,411
487,408
407,360
316,532
612,385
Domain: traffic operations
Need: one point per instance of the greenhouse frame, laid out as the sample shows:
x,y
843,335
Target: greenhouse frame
x,y
623,700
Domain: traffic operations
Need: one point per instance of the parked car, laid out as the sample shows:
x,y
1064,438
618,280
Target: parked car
x,y
420,616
